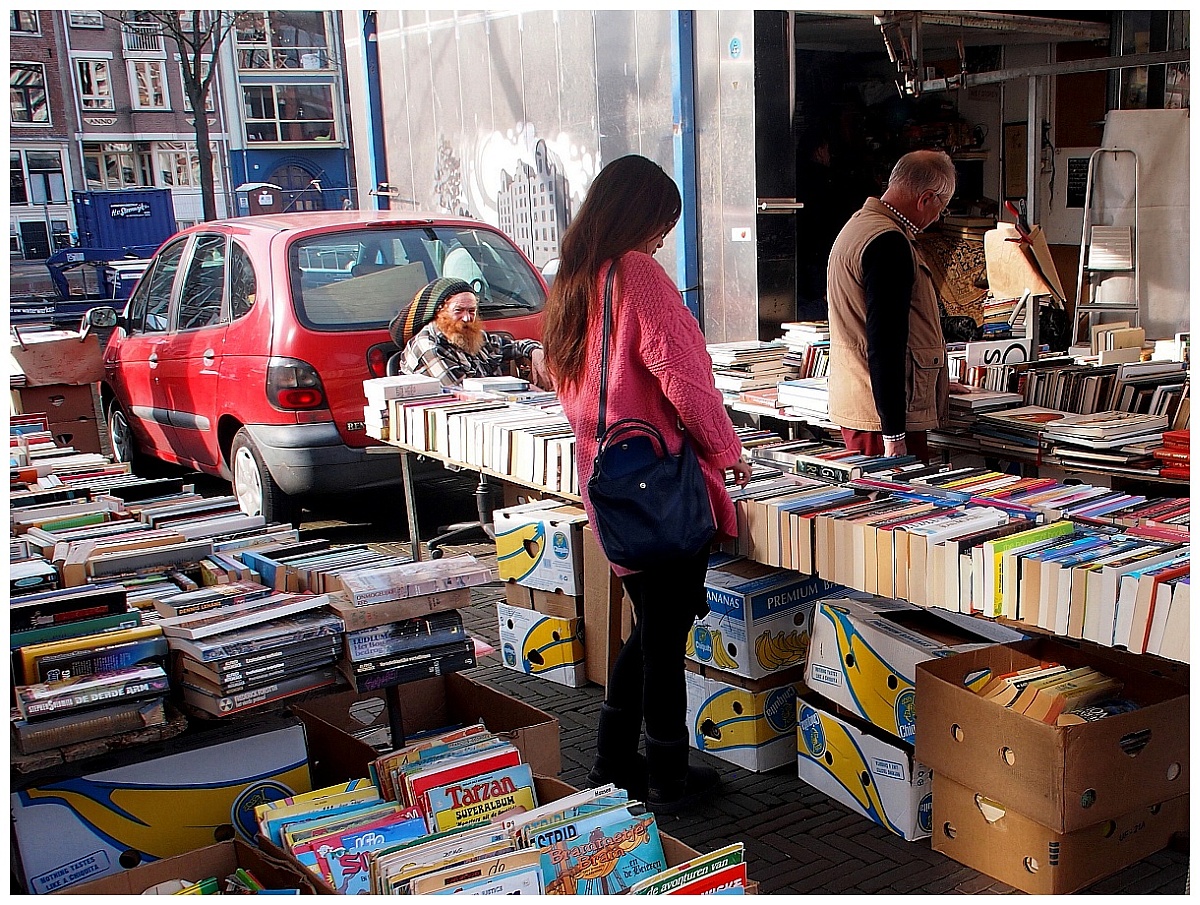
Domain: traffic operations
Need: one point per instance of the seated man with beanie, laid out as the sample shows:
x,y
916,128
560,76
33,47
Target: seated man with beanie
x,y
440,335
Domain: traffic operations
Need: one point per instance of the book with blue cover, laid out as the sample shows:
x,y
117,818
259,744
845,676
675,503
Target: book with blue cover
x,y
407,635
348,858
603,853
480,799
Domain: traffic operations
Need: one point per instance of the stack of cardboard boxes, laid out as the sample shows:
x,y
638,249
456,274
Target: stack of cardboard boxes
x,y
56,373
856,725
1052,808
746,659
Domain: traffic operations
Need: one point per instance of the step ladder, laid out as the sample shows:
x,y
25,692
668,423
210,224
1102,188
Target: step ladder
x,y
1108,251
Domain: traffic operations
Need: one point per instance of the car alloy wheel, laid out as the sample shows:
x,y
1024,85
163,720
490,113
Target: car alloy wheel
x,y
247,482
120,435
255,489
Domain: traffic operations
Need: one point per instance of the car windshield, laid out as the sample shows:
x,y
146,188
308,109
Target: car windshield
x,y
359,280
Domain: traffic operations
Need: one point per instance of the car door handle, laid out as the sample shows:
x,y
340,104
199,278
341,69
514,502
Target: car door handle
x,y
209,356
154,359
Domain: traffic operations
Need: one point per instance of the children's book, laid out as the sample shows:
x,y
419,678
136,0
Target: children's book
x,y
599,854
513,873
480,799
682,879
346,859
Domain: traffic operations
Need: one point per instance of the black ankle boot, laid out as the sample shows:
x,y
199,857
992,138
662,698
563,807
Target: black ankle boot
x,y
617,758
675,785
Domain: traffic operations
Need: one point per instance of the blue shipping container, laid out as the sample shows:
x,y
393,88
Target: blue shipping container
x,y
130,217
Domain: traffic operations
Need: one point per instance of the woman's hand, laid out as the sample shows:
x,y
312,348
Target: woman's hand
x,y
741,471
538,373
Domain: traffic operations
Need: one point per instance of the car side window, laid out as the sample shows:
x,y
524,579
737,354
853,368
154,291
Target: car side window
x,y
204,285
243,287
147,310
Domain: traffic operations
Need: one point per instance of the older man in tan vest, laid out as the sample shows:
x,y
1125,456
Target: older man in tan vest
x,y
888,378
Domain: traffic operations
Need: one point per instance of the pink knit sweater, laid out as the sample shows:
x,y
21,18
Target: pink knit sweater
x,y
658,370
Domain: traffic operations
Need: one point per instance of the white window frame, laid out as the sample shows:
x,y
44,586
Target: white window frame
x,y
273,51
37,23
135,84
105,100
30,193
32,124
85,18
211,100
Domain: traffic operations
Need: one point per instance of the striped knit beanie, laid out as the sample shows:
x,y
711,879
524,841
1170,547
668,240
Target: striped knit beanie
x,y
421,310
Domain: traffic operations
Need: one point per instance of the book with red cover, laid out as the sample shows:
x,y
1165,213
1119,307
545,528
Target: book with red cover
x,y
1177,439
456,770
1159,578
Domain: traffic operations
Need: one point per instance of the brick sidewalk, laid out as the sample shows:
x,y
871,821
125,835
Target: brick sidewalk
x,y
797,840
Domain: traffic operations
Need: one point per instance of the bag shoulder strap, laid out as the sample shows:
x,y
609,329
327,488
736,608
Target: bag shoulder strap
x,y
607,328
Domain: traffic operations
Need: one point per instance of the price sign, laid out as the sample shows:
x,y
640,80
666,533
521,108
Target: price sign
x,y
1001,352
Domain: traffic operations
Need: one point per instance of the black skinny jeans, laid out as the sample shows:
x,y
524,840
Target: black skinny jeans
x,y
647,678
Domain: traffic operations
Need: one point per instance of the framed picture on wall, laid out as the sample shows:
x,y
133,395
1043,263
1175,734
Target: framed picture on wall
x,y
1015,152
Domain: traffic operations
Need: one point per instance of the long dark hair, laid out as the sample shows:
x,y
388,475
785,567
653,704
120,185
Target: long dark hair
x,y
630,202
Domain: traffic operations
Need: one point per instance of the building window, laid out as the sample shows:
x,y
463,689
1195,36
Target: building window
x,y
24,21
209,102
95,84
16,192
114,166
27,96
289,113
178,164
86,18
47,183
285,39
148,84
142,37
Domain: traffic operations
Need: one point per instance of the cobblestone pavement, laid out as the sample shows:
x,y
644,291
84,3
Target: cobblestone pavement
x,y
797,839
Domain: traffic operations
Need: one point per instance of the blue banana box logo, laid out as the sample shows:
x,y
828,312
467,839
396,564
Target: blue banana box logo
x,y
735,718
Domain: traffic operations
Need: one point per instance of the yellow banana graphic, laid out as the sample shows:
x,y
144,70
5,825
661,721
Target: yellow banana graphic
x,y
690,650
828,744
735,718
881,695
721,656
519,550
548,646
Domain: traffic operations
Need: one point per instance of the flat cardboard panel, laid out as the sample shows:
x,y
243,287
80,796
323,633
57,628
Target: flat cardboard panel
x,y
336,755
986,835
89,826
1064,778
606,612
81,433
218,861
58,357
58,402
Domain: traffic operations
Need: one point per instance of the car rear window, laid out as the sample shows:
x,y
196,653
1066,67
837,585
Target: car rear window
x,y
359,279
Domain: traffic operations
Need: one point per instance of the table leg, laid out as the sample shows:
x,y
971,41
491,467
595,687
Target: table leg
x,y
410,503
395,717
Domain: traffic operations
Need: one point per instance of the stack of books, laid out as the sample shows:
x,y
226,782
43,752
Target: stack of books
x,y
402,622
251,650
1105,430
1015,429
966,407
1055,694
807,398
381,390
808,347
85,668
1175,455
749,365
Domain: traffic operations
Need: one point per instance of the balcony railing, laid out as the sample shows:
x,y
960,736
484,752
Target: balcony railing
x,y
142,38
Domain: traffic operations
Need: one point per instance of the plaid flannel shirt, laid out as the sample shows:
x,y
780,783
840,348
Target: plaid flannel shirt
x,y
430,352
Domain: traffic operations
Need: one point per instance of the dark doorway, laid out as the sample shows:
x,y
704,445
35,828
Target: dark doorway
x,y
35,239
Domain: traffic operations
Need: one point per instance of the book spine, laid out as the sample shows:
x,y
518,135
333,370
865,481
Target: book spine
x,y
438,666
69,701
373,644
108,623
95,661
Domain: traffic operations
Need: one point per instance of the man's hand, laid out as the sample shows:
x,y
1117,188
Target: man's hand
x,y
959,389
895,448
538,373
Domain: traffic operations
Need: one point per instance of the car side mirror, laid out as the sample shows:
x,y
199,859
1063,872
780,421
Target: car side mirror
x,y
550,271
101,318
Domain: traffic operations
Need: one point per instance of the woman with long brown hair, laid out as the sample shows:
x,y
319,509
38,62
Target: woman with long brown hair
x,y
659,371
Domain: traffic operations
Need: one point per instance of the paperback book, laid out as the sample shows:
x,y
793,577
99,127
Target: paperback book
x,y
45,699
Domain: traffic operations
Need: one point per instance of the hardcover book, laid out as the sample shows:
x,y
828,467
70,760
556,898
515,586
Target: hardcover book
x,y
480,799
47,699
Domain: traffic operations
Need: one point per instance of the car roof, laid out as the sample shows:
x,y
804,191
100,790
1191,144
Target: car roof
x,y
318,221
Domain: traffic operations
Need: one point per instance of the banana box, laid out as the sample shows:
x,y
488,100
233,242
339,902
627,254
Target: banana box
x,y
77,825
751,724
865,651
856,765
540,545
539,645
760,617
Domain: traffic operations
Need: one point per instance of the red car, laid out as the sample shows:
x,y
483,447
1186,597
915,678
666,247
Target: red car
x,y
243,349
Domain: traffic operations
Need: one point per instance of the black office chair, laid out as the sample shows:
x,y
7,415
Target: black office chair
x,y
483,498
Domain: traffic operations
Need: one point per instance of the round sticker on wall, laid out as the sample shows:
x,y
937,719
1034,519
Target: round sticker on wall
x,y
735,47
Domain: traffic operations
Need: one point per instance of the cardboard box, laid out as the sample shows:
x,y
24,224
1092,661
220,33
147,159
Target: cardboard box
x,y
865,651
760,617
751,724
543,646
57,357
549,603
987,835
89,826
607,611
82,433
59,402
541,547
857,765
1064,778
335,725
218,861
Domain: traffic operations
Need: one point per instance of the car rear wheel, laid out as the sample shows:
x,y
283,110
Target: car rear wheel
x,y
255,489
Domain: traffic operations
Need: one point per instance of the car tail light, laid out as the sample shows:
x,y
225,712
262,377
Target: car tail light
x,y
377,358
294,384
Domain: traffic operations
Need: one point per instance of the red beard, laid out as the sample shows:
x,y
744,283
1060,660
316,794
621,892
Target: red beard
x,y
467,335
